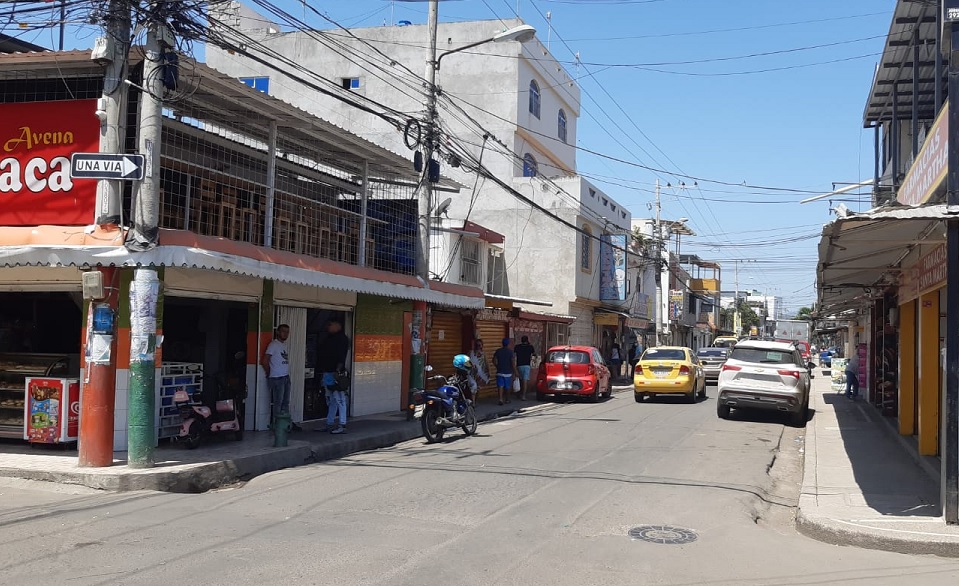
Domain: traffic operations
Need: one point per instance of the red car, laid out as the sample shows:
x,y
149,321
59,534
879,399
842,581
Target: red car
x,y
573,370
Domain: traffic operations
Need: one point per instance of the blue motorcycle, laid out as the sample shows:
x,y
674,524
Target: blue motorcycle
x,y
445,407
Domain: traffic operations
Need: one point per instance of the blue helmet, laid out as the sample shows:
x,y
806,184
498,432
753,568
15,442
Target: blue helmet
x,y
462,362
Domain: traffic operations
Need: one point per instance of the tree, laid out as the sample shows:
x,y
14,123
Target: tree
x,y
804,313
747,316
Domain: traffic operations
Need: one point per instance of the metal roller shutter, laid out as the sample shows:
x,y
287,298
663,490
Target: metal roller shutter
x,y
446,341
492,334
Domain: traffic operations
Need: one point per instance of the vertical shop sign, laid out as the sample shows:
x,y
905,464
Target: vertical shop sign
x,y
36,142
612,267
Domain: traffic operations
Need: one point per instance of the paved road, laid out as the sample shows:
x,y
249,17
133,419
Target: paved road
x,y
544,498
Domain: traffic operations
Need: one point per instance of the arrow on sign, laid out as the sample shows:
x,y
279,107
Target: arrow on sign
x,y
106,166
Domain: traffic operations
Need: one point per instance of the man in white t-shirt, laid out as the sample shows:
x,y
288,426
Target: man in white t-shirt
x,y
276,363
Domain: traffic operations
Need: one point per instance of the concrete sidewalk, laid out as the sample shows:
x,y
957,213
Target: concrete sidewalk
x,y
221,461
864,485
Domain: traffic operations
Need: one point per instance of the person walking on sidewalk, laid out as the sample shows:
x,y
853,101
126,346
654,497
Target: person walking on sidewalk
x,y
631,355
852,377
276,365
505,361
616,361
524,360
480,373
331,359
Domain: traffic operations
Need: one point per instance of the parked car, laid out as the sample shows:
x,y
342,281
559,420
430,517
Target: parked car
x,y
712,360
573,370
765,375
669,370
725,341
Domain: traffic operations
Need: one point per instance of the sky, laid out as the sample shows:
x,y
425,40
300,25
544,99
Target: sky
x,y
743,107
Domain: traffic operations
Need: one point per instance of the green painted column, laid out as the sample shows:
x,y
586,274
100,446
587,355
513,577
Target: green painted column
x,y
141,426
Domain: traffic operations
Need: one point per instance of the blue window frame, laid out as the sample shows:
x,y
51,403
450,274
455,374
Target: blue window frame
x,y
530,168
534,98
561,125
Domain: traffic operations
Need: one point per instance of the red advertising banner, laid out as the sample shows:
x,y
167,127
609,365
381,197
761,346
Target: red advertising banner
x,y
36,141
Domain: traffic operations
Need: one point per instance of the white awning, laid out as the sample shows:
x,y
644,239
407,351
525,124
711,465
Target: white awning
x,y
188,257
862,254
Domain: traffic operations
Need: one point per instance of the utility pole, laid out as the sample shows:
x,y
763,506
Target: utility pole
x,y
97,410
425,191
144,291
737,319
115,43
658,239
424,204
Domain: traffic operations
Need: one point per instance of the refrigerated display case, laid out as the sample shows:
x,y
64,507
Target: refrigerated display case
x,y
52,410
15,368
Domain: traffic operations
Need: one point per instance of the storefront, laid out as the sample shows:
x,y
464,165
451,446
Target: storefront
x,y
41,323
491,326
308,312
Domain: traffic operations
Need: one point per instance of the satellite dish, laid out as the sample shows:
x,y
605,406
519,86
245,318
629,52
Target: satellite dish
x,y
443,207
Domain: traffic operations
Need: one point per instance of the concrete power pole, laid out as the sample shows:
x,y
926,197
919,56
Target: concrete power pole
x,y
115,48
95,447
658,240
144,291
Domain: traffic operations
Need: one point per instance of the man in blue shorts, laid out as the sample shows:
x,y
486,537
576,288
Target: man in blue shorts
x,y
505,362
524,359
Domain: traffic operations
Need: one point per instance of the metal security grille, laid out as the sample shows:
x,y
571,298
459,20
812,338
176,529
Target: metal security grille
x,y
470,262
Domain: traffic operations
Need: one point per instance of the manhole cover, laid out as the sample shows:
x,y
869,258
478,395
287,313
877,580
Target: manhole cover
x,y
664,534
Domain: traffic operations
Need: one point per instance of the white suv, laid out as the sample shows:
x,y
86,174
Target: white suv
x,y
765,375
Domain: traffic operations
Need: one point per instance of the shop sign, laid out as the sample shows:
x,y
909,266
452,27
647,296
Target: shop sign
x,y
528,326
602,318
928,171
37,140
932,268
643,305
612,267
491,314
636,323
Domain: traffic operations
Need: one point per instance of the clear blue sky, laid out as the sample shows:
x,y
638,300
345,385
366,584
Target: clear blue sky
x,y
790,118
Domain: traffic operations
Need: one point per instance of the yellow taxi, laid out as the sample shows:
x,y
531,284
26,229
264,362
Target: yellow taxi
x,y
669,370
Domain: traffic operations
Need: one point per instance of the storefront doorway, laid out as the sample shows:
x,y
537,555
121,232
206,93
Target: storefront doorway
x,y
308,331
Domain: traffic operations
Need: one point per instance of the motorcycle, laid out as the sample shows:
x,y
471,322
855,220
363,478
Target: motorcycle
x,y
445,407
198,419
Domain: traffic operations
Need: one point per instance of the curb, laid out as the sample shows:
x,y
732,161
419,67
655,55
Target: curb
x,y
207,476
836,533
862,535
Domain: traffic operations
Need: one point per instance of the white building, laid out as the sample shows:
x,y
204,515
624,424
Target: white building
x,y
527,104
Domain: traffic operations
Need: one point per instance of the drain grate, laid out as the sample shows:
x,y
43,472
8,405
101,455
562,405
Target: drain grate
x,y
664,534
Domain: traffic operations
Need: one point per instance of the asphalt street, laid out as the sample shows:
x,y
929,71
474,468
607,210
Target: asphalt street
x,y
547,497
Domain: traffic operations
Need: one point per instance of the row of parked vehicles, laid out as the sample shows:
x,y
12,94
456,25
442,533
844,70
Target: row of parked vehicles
x,y
749,374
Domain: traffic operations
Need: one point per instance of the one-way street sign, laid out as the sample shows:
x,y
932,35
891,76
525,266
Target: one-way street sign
x,y
106,166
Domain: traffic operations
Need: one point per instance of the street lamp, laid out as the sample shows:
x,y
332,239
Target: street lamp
x,y
521,33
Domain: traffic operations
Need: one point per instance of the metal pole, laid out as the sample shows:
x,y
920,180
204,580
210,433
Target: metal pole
x,y
270,187
950,441
658,240
141,428
915,93
364,201
424,196
875,180
110,106
63,21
